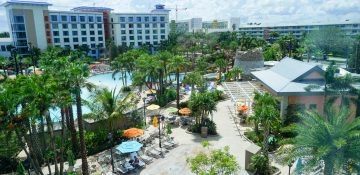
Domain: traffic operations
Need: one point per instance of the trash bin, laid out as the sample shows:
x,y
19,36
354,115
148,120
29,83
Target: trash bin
x,y
204,132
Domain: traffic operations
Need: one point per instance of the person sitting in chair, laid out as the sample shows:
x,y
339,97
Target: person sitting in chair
x,y
136,162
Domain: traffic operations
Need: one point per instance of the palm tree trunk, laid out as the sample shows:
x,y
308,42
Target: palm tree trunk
x,y
177,89
73,133
50,129
266,134
62,149
83,152
329,167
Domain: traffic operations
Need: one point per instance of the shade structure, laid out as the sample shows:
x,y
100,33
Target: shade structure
x,y
129,147
171,109
185,111
151,91
133,132
243,108
153,107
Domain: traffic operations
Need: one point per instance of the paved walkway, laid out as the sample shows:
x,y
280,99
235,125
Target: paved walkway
x,y
174,162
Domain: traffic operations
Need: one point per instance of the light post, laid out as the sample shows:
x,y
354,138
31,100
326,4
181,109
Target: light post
x,y
144,98
160,120
290,165
110,137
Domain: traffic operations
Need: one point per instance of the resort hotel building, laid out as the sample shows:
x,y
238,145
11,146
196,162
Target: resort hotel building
x,y
260,30
197,25
33,24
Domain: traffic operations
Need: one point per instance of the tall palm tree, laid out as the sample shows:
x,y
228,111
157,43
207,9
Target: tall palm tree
x,y
108,104
202,104
194,78
221,63
333,138
177,64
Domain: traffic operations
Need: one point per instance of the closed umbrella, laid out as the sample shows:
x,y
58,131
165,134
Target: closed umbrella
x,y
133,132
151,91
153,107
129,147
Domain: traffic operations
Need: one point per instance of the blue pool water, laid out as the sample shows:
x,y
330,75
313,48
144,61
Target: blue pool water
x,y
101,80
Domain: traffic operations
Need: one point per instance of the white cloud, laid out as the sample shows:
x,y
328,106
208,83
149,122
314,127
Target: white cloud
x,y
261,11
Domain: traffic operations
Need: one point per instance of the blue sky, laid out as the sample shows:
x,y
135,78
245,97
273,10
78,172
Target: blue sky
x,y
260,11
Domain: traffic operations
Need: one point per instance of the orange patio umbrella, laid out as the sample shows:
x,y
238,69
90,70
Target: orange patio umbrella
x,y
185,111
38,72
133,132
243,108
2,77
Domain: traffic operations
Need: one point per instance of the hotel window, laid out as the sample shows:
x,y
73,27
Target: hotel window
x,y
162,25
76,46
73,18
101,45
123,32
131,25
123,38
138,25
55,33
83,32
99,26
74,26
53,18
131,19
100,39
138,19
83,26
155,37
84,39
139,31
3,48
154,31
122,19
64,18
82,18
100,32
56,40
139,37
162,36
147,25
66,33
92,45
75,33
122,26
146,19
162,18
155,43
132,43
98,19
140,43
92,38
64,26
92,32
131,37
131,32
154,25
91,26
46,18
91,18
66,40
162,31
154,18
312,106
147,31
147,37
54,26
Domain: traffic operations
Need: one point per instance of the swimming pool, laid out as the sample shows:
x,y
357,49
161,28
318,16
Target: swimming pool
x,y
100,80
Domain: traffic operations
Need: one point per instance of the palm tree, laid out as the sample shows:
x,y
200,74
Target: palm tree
x,y
333,138
3,62
203,104
108,104
177,64
194,78
221,63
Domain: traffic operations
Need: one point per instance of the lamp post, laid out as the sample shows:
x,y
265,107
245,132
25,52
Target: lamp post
x,y
144,98
160,120
290,165
110,137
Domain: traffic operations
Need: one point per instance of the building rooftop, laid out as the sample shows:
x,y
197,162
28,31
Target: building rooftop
x,y
14,2
85,8
286,77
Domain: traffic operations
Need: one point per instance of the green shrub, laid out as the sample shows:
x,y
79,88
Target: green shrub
x,y
196,128
70,158
251,135
184,104
20,170
168,96
126,89
217,95
95,140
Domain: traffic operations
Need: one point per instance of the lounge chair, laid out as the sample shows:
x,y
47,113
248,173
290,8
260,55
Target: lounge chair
x,y
153,153
145,158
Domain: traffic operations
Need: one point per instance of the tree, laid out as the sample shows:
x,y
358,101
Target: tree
x,y
289,46
354,61
260,163
108,104
3,62
221,64
213,162
203,105
194,78
273,53
332,138
177,64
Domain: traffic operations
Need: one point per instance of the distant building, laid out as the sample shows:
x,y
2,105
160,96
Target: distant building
x,y
197,25
4,42
31,23
260,30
